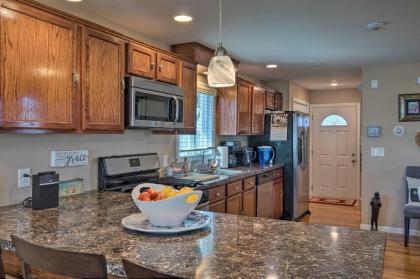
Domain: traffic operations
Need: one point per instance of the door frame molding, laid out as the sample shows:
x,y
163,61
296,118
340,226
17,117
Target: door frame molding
x,y
358,142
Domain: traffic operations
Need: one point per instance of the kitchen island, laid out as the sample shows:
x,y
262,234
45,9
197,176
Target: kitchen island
x,y
232,246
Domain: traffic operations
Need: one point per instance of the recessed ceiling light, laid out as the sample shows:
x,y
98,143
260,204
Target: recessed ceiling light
x,y
271,66
334,84
183,18
74,0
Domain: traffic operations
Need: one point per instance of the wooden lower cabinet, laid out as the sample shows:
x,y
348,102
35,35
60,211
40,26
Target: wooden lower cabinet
x,y
277,198
234,204
270,199
249,203
218,207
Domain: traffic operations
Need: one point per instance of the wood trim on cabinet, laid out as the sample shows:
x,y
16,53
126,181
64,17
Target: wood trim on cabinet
x,y
217,193
55,105
249,202
188,82
104,124
250,183
234,204
96,26
218,207
167,68
234,188
134,67
258,108
226,111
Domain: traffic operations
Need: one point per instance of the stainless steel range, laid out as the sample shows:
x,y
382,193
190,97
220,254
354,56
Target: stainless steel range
x,y
124,172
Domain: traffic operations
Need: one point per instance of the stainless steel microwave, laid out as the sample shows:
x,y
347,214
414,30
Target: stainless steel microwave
x,y
152,104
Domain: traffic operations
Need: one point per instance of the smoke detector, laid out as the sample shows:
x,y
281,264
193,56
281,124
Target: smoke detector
x,y
375,26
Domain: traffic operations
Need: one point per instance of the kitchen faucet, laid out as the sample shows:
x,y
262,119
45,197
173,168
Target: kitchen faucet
x,y
216,162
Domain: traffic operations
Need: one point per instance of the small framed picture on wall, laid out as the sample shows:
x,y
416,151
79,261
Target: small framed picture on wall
x,y
409,107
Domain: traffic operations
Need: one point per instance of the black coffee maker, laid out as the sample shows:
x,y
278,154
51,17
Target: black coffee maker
x,y
236,153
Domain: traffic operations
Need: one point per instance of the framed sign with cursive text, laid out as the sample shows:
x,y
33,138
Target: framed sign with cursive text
x,y
73,158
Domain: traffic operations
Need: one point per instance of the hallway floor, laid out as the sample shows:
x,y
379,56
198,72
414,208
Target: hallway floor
x,y
400,262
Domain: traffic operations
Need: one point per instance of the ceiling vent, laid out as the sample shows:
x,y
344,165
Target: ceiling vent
x,y
375,26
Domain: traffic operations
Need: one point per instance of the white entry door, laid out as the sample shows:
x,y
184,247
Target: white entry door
x,y
335,161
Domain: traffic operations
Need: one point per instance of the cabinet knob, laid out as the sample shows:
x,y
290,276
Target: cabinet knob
x,y
152,66
160,68
218,194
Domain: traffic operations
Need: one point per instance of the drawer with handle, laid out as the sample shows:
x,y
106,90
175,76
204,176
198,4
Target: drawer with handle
x,y
250,183
217,193
234,188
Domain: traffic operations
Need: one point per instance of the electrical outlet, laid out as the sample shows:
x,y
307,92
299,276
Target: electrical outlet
x,y
22,180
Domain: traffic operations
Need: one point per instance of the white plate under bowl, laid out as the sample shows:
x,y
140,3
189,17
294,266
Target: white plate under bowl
x,y
138,222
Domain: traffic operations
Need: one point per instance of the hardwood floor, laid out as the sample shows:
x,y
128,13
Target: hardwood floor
x,y
400,261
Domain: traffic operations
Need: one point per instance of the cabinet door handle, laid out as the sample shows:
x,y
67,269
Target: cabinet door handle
x,y
152,66
74,79
218,194
122,86
160,68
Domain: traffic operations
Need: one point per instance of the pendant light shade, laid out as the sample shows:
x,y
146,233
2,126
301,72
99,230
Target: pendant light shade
x,y
221,71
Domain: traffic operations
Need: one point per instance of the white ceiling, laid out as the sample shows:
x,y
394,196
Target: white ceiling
x,y
314,42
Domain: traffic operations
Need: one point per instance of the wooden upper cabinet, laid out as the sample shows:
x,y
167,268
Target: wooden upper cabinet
x,y
103,81
226,111
269,100
38,69
167,68
258,107
188,82
244,107
278,101
141,61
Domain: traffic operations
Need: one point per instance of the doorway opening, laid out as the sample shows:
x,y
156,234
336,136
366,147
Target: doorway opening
x,y
335,162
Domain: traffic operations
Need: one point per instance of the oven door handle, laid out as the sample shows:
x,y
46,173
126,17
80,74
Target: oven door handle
x,y
177,109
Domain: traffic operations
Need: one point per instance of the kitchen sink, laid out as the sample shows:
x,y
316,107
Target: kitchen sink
x,y
222,172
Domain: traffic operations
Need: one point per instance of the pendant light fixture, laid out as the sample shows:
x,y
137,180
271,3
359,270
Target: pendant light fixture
x,y
221,72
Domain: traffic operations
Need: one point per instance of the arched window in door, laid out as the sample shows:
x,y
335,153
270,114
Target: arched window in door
x,y
333,120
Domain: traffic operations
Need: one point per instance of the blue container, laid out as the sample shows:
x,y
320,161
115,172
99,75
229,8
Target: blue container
x,y
265,155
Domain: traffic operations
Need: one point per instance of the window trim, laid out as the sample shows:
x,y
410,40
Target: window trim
x,y
208,154
338,125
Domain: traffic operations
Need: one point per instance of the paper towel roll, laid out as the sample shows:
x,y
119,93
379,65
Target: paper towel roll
x,y
224,156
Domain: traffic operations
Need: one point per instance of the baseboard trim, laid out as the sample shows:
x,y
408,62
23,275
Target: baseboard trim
x,y
390,230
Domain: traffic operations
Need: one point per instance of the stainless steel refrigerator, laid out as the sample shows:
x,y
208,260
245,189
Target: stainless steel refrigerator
x,y
293,152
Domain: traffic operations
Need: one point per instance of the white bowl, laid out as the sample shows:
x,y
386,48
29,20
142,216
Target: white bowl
x,y
168,212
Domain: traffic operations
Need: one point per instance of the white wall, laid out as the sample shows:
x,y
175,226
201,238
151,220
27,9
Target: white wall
x,y
33,151
386,174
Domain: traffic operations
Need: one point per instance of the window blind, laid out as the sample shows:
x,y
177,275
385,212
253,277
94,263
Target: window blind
x,y
205,124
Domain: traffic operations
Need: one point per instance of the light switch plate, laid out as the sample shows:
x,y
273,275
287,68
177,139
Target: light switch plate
x,y
24,181
377,152
374,83
417,80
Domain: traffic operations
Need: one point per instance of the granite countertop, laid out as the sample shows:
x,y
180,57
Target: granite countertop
x,y
231,247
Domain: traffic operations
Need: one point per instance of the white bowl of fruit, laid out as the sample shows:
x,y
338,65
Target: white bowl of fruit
x,y
163,205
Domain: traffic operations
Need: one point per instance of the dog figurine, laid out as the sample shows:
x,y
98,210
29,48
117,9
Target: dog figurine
x,y
375,204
